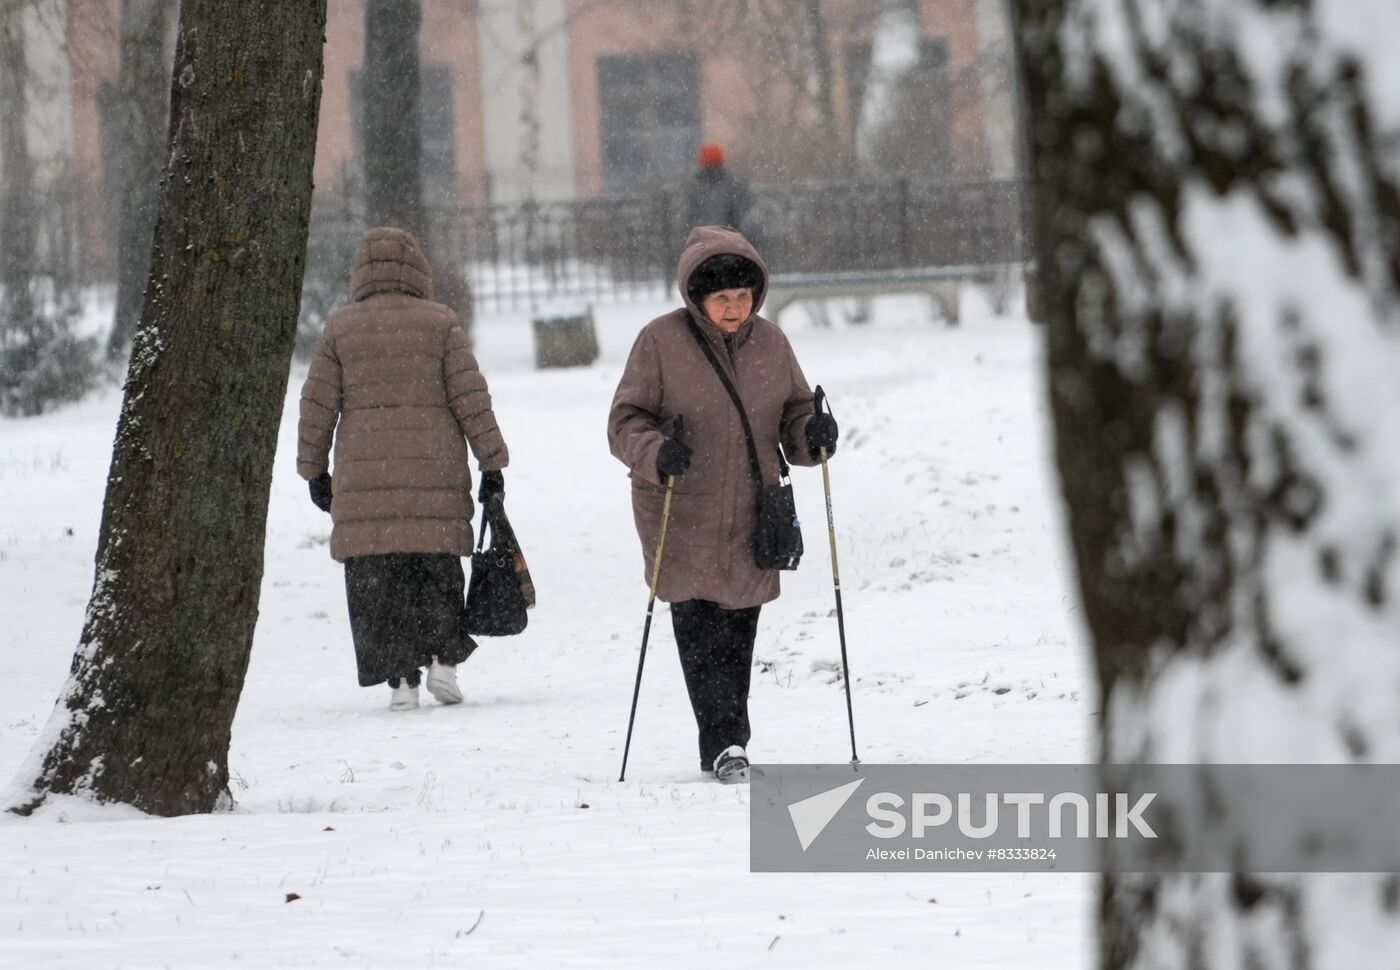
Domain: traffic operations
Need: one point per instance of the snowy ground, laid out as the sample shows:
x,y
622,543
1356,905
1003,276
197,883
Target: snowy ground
x,y
495,833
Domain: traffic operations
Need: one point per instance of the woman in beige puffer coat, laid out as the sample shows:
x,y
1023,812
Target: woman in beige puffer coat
x,y
395,386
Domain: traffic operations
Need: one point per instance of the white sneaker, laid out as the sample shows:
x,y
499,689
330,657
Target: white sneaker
x,y
403,697
732,765
442,683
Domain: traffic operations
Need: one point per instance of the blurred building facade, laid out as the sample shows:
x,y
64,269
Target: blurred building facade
x,y
560,99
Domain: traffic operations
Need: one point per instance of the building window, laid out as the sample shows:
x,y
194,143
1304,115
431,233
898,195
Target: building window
x,y
920,142
650,118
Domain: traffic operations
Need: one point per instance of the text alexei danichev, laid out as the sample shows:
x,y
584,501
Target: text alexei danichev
x,y
897,855
958,855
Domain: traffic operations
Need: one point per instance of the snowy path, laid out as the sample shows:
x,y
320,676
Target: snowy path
x,y
402,832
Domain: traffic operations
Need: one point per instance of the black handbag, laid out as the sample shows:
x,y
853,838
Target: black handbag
x,y
777,535
500,590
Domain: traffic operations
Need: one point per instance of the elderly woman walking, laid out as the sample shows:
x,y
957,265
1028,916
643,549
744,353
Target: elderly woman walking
x,y
709,574
395,385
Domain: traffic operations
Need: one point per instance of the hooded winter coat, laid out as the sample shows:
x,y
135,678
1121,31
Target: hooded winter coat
x,y
718,197
396,386
709,553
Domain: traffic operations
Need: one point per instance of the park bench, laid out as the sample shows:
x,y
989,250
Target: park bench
x,y
940,284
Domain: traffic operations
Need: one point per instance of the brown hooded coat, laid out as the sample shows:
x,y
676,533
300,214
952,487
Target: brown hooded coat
x,y
397,387
709,553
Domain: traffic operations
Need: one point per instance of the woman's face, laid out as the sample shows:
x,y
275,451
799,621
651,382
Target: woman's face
x,y
728,309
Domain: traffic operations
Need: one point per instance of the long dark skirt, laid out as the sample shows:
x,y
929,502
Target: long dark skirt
x,y
404,609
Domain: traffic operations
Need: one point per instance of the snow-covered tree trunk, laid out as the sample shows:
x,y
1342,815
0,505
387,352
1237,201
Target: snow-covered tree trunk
x,y
146,713
1218,250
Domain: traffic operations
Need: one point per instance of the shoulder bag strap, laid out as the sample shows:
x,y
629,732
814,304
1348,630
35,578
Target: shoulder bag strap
x,y
481,538
493,514
501,531
754,467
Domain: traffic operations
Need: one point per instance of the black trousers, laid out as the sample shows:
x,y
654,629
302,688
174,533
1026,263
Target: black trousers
x,y
404,609
716,650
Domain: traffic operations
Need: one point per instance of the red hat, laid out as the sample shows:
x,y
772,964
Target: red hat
x,y
711,154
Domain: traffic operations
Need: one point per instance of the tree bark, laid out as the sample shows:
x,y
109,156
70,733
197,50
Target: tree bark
x,y
1218,251
18,219
820,47
393,140
144,89
146,713
394,145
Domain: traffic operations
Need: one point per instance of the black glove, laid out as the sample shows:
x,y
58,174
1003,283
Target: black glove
x,y
821,433
321,491
821,429
674,456
492,483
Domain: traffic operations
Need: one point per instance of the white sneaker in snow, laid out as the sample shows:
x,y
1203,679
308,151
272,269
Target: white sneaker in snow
x,y
403,697
732,765
442,683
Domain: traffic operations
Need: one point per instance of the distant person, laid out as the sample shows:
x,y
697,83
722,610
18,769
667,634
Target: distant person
x,y
396,387
717,197
709,573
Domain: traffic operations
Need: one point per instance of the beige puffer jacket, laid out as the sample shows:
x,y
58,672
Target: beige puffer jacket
x,y
396,386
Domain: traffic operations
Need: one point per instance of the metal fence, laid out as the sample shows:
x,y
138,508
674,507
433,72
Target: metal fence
x,y
616,248
589,250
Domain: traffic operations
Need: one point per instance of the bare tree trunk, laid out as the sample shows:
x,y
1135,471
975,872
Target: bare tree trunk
x,y
394,145
18,220
527,28
393,139
894,53
41,361
144,88
146,713
1218,248
819,44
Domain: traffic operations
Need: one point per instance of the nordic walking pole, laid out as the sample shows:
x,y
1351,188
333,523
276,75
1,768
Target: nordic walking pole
x,y
676,433
836,584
